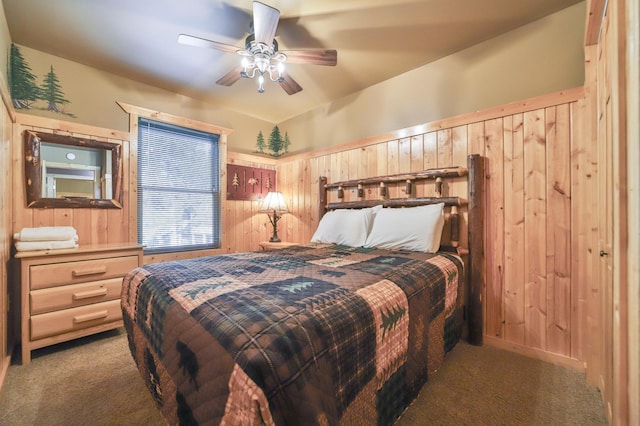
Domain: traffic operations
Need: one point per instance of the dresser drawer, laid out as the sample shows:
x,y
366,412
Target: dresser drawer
x,y
56,274
70,296
58,322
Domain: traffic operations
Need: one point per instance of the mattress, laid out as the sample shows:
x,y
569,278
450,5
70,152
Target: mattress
x,y
309,334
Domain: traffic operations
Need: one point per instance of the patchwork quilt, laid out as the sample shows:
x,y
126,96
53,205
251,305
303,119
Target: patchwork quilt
x,y
310,334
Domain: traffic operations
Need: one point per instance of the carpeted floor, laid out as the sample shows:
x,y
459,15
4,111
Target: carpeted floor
x,y
93,381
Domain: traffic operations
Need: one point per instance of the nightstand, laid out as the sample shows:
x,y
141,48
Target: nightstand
x,y
268,245
71,293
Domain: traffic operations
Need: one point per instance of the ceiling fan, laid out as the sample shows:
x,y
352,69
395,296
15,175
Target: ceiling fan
x,y
261,56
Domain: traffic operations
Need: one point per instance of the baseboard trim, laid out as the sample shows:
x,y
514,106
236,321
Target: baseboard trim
x,y
561,360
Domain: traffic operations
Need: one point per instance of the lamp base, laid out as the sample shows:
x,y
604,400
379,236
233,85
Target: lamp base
x,y
275,239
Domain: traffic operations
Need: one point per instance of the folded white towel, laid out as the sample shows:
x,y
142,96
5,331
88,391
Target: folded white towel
x,y
47,233
45,245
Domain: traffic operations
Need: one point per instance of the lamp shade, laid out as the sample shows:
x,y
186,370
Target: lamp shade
x,y
274,201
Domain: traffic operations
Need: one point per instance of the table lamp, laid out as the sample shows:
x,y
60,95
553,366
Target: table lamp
x,y
274,206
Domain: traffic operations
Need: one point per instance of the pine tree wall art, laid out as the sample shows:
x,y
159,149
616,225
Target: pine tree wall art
x,y
25,91
276,143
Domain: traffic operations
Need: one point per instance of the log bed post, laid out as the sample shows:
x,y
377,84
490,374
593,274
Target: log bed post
x,y
322,191
476,248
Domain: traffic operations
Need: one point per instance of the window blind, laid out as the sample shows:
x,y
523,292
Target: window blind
x,y
178,188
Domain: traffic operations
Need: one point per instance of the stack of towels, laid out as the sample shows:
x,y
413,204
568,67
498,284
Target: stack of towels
x,y
46,238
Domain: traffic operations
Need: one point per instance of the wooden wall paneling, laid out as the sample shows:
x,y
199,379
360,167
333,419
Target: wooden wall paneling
x,y
444,148
535,262
518,179
558,229
417,161
430,159
22,217
291,190
494,298
63,217
475,143
589,259
633,159
460,186
393,167
237,215
356,169
444,158
514,249
45,217
584,218
304,181
6,215
605,214
285,182
94,226
620,236
319,168
336,169
249,242
228,237
316,169
119,220
404,155
99,225
430,150
382,154
296,196
371,165
132,166
297,199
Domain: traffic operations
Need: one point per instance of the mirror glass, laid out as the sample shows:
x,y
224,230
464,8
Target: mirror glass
x,y
65,171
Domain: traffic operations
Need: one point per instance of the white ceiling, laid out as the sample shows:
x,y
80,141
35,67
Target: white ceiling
x,y
375,40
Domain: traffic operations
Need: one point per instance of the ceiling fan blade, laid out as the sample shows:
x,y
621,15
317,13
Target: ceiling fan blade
x,y
314,57
203,42
265,22
229,78
290,85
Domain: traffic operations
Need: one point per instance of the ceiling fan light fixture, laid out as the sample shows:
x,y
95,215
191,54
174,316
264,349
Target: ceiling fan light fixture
x,y
261,64
261,54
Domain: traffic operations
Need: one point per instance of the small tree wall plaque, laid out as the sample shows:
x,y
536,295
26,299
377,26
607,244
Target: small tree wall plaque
x,y
249,183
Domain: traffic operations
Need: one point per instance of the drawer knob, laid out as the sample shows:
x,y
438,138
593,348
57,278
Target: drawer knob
x,y
90,317
92,271
89,294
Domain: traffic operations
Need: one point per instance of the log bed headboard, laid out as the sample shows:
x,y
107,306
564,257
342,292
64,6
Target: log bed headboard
x,y
473,254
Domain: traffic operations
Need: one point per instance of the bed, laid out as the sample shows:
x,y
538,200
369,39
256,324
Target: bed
x,y
321,333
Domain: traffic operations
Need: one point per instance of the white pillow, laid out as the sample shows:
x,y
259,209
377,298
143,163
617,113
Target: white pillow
x,y
409,228
344,226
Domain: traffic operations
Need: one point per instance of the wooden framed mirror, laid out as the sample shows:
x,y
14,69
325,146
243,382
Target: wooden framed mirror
x,y
69,172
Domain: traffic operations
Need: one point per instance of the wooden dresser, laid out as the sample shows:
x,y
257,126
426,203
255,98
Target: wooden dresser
x,y
72,293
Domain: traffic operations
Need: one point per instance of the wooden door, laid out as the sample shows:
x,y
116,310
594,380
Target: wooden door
x,y
605,217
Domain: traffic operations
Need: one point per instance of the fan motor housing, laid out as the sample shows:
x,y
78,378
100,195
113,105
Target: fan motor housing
x,y
250,42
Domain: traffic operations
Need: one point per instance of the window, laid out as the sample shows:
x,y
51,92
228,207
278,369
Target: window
x,y
178,188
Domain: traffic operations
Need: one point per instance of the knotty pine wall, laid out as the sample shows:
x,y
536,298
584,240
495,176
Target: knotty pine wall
x,y
94,226
6,191
243,227
539,232
612,71
540,176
